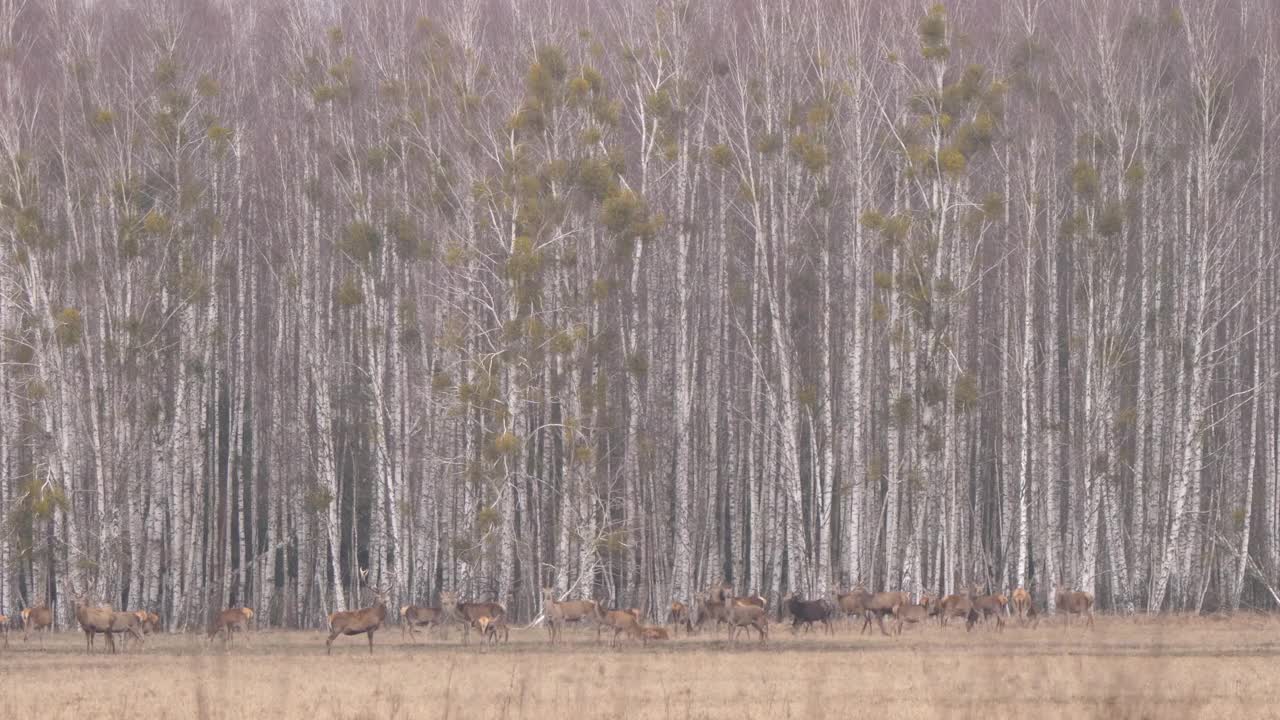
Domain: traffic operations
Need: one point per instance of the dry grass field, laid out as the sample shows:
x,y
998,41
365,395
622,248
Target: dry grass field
x,y
1125,667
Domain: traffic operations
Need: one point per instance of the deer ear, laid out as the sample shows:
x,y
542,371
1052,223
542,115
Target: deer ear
x,y
364,574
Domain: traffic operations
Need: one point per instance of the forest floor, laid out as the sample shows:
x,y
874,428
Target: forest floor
x,y
1169,667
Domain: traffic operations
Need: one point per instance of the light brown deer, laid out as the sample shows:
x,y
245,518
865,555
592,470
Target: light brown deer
x,y
490,627
364,621
620,621
466,613
1070,602
679,615
129,625
740,616
4,629
1020,600
992,605
37,619
557,613
228,621
417,616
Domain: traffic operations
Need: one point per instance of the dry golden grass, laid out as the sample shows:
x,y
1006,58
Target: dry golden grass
x,y
1126,667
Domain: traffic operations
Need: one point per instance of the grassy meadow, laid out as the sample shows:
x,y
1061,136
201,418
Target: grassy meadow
x,y
1168,667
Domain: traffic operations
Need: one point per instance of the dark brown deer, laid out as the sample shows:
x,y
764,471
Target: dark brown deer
x,y
909,613
466,613
412,616
37,619
740,616
558,613
228,621
364,621
678,615
1070,602
806,612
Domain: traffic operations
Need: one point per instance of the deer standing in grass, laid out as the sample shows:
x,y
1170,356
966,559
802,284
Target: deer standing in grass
x,y
38,618
364,621
620,621
228,621
1071,602
4,629
907,613
418,615
679,615
557,613
1021,600
466,613
740,615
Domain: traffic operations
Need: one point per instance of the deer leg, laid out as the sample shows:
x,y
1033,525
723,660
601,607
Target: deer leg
x,y
328,644
370,634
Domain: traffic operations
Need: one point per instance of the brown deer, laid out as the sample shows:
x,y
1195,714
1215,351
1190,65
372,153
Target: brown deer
x,y
652,632
418,615
37,619
909,613
364,621
953,606
708,609
558,613
679,615
1020,600
228,621
880,604
620,621
128,623
466,613
989,605
740,616
93,620
4,629
853,603
489,627
1071,602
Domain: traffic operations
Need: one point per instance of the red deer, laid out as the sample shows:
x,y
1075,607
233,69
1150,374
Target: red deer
x,y
620,621
708,609
128,623
39,618
417,616
881,604
852,603
907,613
989,605
806,612
364,621
489,627
93,620
558,613
740,615
466,613
649,632
679,615
4,629
1021,599
1074,603
229,620
150,621
953,606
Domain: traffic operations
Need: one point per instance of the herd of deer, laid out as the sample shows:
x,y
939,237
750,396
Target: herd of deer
x,y
489,619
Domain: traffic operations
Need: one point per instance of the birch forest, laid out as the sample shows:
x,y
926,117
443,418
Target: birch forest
x,y
626,297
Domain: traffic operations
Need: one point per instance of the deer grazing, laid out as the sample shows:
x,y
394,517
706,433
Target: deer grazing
x,y
364,621
806,612
229,620
466,613
37,619
418,615
910,613
744,615
1071,602
558,613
